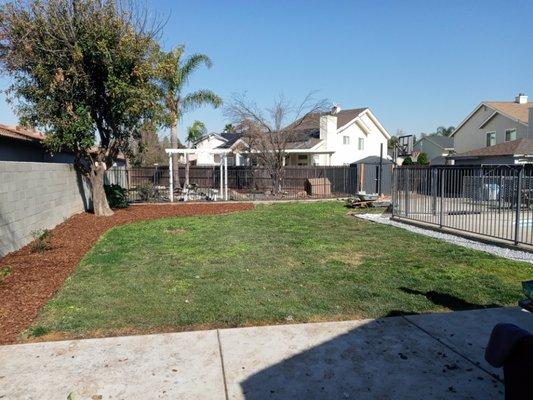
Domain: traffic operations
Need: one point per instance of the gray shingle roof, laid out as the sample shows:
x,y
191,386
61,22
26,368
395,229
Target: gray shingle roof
x,y
312,121
445,142
231,138
523,146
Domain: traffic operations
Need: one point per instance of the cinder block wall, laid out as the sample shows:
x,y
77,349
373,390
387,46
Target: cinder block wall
x,y
36,196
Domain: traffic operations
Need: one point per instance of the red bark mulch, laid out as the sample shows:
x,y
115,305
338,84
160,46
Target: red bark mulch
x,y
36,277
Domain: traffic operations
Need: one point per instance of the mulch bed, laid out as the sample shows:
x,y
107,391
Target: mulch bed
x,y
36,277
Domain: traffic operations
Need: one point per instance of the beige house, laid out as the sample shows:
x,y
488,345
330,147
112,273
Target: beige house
x,y
494,122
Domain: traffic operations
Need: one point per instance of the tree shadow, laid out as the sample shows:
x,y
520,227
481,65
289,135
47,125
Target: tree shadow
x,y
84,190
9,238
447,300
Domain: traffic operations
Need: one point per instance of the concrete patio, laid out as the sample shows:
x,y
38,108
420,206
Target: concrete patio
x,y
437,356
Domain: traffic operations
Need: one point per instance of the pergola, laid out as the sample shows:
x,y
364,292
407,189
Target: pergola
x,y
223,167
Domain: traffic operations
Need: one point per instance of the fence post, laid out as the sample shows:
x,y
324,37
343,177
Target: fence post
x,y
407,184
434,175
500,191
518,206
441,218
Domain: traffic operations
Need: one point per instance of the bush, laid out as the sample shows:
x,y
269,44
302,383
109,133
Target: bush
x,y
41,240
407,161
116,196
147,193
422,159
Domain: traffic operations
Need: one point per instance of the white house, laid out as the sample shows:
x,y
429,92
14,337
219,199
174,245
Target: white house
x,y
494,122
333,138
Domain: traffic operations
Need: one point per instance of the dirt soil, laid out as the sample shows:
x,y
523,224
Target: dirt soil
x,y
36,277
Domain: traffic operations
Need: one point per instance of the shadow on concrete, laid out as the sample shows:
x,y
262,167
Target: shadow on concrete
x,y
447,300
382,359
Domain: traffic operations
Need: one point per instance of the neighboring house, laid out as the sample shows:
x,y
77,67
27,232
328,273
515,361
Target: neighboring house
x,y
436,148
216,141
518,151
19,144
334,138
494,122
22,144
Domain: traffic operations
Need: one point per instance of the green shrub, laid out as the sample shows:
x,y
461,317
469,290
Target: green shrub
x,y
422,159
407,161
147,193
116,196
41,240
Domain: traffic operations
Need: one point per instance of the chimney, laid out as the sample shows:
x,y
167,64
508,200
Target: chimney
x,y
328,130
521,98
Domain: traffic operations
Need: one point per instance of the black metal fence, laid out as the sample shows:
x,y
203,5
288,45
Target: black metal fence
x,y
146,184
491,201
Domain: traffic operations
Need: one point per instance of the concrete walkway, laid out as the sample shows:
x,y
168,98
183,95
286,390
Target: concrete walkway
x,y
433,356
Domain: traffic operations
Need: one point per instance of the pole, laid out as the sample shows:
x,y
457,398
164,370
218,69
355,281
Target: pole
x,y
171,178
407,187
441,220
518,206
226,177
380,169
221,178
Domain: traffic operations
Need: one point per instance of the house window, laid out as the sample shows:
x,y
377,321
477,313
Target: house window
x,y
361,144
510,135
346,140
302,160
491,139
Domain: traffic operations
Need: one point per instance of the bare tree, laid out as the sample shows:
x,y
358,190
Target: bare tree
x,y
268,132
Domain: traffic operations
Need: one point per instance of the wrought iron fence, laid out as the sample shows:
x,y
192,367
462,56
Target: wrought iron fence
x,y
492,201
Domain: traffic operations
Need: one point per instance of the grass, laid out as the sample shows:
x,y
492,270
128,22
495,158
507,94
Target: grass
x,y
278,263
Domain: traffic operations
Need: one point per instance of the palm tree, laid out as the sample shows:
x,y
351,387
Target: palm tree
x,y
194,132
229,128
443,131
175,72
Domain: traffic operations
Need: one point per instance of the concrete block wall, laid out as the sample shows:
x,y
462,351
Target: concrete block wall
x,y
36,196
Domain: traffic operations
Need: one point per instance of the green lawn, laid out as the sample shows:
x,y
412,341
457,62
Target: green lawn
x,y
285,262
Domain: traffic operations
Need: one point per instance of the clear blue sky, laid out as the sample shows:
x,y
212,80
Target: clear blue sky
x,y
416,64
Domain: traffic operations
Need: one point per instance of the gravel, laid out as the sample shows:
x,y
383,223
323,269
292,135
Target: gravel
x,y
511,254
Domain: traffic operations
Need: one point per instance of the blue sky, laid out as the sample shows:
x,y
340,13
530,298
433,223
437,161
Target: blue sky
x,y
416,64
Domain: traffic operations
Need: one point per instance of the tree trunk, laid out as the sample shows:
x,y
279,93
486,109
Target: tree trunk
x,y
100,205
175,157
187,170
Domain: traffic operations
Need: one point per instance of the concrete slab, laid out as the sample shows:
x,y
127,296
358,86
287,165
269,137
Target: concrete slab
x,y
166,366
372,359
468,332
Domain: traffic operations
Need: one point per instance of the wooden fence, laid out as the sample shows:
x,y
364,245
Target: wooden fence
x,y
255,182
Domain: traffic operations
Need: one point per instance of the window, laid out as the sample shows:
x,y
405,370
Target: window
x,y
302,160
510,135
346,140
361,144
491,139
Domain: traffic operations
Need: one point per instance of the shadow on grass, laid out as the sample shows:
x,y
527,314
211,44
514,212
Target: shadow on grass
x,y
446,300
